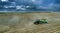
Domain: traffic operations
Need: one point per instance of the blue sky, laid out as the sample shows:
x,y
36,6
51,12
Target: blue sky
x,y
33,4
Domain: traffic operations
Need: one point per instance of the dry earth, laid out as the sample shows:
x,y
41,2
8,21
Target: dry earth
x,y
23,23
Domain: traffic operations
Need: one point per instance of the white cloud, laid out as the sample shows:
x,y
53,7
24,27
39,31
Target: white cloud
x,y
38,2
20,7
4,0
5,6
51,4
27,6
33,0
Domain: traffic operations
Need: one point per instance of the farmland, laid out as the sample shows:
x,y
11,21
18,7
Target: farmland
x,y
23,22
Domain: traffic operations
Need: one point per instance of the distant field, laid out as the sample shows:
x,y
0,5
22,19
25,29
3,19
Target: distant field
x,y
23,22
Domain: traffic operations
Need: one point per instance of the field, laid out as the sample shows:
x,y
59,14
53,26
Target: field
x,y
23,22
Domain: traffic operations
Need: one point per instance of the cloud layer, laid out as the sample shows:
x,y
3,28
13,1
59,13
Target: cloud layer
x,y
30,5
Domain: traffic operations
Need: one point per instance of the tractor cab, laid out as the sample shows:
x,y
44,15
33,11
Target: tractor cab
x,y
43,20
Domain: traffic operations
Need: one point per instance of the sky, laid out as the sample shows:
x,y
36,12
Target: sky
x,y
30,5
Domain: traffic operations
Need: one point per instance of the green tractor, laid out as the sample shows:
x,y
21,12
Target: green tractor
x,y
42,21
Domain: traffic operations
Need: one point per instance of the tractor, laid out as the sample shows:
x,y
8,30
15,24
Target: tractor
x,y
42,21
